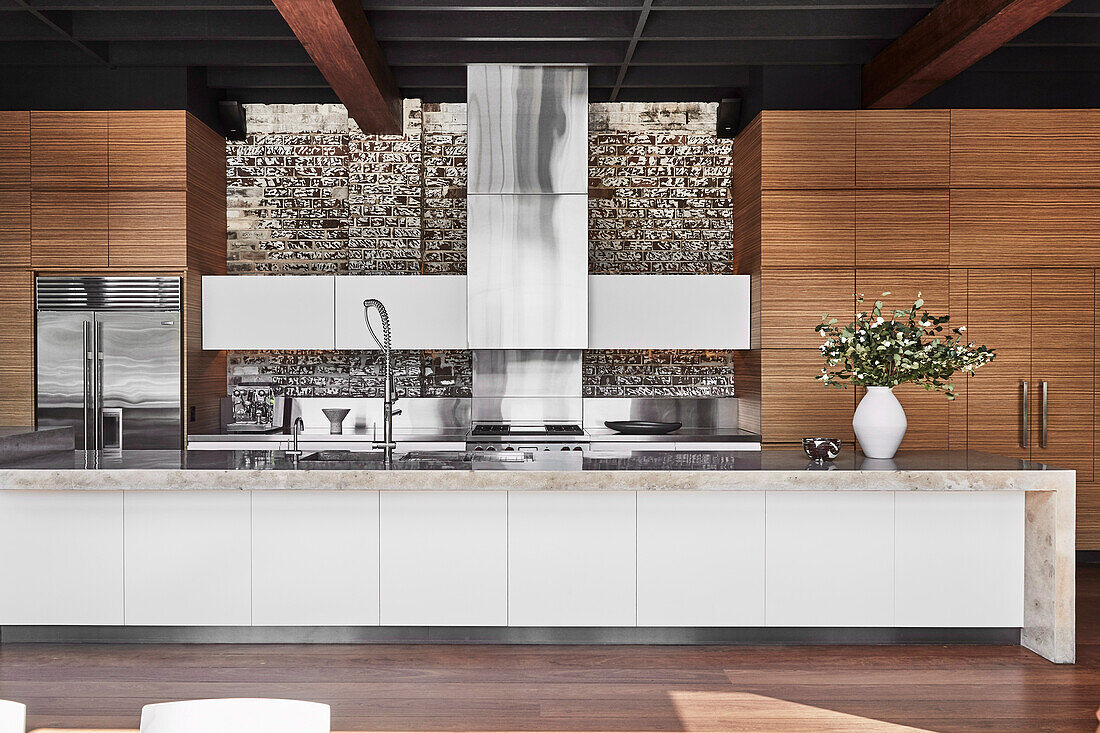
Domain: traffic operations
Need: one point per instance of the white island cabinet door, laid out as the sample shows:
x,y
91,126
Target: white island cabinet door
x,y
426,311
61,557
830,558
314,558
571,558
668,312
700,558
444,558
187,558
268,312
960,559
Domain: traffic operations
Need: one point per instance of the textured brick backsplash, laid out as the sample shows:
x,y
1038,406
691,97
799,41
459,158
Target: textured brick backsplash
x,y
354,373
311,194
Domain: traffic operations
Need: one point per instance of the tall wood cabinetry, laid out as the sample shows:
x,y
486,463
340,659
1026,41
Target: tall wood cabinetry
x,y
102,193
992,215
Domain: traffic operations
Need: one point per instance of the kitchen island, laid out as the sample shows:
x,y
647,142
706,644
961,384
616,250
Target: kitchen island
x,y
605,546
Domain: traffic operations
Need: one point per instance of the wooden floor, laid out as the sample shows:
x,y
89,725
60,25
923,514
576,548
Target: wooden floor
x,y
601,688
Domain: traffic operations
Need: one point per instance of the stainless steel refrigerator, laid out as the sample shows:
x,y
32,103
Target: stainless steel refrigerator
x,y
108,360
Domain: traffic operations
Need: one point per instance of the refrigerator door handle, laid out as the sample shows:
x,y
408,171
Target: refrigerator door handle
x,y
86,356
97,386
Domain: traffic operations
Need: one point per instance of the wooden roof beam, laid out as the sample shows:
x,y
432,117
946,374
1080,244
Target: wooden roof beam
x,y
954,35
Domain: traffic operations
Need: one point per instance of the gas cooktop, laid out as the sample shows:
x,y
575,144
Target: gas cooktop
x,y
526,431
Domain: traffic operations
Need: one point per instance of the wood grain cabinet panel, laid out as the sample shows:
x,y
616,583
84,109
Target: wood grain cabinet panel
x,y
898,228
69,228
17,348
68,150
794,405
1063,321
148,149
1032,227
15,150
808,229
1025,148
999,316
15,227
147,229
1088,515
794,301
808,150
902,148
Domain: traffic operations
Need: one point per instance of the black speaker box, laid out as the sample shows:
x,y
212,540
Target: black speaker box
x,y
729,117
232,118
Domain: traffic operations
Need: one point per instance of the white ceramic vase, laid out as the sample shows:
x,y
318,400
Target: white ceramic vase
x,y
879,423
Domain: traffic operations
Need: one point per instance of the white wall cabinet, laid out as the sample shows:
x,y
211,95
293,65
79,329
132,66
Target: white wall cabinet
x,y
668,312
314,558
959,559
426,311
61,557
571,558
188,558
830,558
444,558
268,312
701,558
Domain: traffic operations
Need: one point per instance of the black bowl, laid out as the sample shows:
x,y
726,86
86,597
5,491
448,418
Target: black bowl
x,y
642,427
821,449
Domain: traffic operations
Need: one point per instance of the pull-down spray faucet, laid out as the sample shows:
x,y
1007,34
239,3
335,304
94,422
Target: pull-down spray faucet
x,y
388,443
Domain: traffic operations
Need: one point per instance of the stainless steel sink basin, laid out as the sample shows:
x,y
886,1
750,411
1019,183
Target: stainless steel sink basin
x,y
440,460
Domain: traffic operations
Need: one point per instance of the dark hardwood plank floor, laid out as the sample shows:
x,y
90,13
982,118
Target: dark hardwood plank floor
x,y
572,689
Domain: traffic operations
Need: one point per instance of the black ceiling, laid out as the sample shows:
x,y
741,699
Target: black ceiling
x,y
638,50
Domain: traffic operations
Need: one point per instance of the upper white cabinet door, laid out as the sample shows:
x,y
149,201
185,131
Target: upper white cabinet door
x,y
571,558
268,312
960,558
188,558
61,557
668,311
444,558
426,311
700,558
528,129
314,558
830,558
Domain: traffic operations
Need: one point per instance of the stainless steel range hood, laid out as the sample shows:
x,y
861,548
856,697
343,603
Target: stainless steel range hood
x,y
527,207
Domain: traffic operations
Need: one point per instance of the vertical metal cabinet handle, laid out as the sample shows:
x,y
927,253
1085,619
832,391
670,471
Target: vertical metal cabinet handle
x,y
85,357
1023,419
98,386
1043,431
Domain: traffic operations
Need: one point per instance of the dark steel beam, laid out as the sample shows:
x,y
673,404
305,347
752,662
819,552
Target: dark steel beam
x,y
61,24
639,28
949,39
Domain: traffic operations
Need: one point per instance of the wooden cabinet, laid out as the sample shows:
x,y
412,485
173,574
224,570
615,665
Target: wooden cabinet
x,y
999,316
794,405
17,348
1062,370
15,150
15,227
1036,227
1025,148
808,150
69,228
69,150
797,298
808,229
902,148
147,229
148,149
902,228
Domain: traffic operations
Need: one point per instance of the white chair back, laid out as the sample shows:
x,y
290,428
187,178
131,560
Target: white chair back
x,y
13,717
236,715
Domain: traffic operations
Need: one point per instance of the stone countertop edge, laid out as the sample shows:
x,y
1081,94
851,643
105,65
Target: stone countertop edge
x,y
621,480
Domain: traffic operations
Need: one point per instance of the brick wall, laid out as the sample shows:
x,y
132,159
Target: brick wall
x,y
311,194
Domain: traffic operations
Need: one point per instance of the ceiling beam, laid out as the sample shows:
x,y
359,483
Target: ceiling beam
x,y
337,36
953,35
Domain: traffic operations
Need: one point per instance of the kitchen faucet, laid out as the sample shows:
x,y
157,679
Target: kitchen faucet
x,y
388,412
295,429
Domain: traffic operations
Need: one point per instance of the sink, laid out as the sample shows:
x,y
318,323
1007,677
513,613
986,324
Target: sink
x,y
423,459
345,459
466,456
